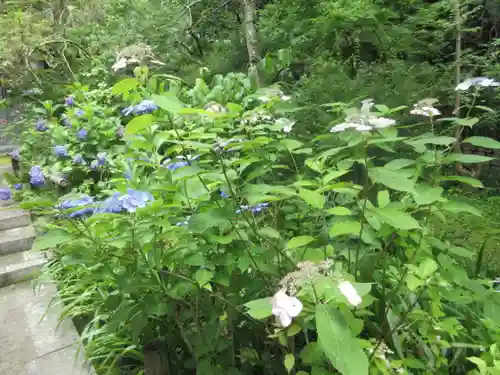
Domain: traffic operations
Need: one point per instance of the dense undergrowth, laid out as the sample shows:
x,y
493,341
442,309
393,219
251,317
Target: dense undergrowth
x,y
202,229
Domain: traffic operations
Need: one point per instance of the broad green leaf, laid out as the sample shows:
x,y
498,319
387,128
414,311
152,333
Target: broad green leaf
x,y
339,211
169,102
334,175
434,140
345,227
124,86
139,123
424,194
290,144
51,239
289,362
427,268
338,343
396,180
383,198
299,242
293,330
260,308
464,179
483,142
467,159
268,232
467,121
203,276
311,197
459,207
397,218
399,164
461,252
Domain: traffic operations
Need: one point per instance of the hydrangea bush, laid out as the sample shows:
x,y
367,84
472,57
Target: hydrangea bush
x,y
218,234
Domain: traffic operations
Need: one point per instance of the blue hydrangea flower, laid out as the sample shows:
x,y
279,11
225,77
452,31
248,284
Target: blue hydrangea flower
x,y
182,161
79,112
135,199
36,176
253,209
65,121
73,203
223,194
101,158
18,186
112,204
41,125
78,160
61,151
82,212
15,155
5,194
69,101
146,106
81,134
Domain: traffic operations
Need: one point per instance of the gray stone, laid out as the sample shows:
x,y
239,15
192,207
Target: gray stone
x,y
16,239
33,340
13,217
17,267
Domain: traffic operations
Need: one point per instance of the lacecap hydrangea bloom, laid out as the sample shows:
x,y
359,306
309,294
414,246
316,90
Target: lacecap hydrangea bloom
x,y
37,177
363,119
144,107
5,194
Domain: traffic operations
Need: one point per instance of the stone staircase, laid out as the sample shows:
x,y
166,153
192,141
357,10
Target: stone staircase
x,y
17,234
33,339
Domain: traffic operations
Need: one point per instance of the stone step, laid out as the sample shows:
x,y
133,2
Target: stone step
x,y
16,240
18,267
13,217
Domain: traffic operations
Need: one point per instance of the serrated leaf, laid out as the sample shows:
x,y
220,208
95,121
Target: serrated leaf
x,y
339,211
467,159
345,227
397,218
338,343
203,276
311,197
51,240
289,362
424,194
139,123
168,102
464,179
396,180
124,86
459,207
485,142
299,242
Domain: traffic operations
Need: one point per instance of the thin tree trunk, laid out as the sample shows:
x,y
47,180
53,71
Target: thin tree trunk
x,y
248,8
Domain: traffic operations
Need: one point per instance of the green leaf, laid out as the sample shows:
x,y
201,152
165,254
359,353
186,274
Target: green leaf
x,y
289,362
290,144
399,164
334,175
313,198
434,140
203,276
338,343
467,121
427,268
124,86
51,239
397,218
299,242
268,232
461,252
459,207
339,211
464,179
483,142
396,180
260,308
383,198
168,101
345,227
424,194
139,123
467,159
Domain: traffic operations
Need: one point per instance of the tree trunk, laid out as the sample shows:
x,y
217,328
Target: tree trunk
x,y
248,8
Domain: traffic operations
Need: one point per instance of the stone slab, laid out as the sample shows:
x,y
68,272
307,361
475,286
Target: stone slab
x,y
13,217
33,340
16,239
18,267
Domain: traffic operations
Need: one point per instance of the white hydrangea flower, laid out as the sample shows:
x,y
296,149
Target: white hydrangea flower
x,y
425,111
286,124
285,97
285,308
478,82
363,120
348,290
381,122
